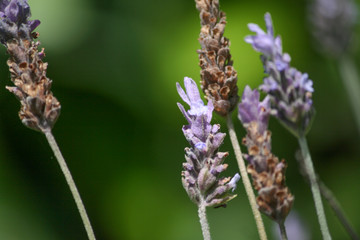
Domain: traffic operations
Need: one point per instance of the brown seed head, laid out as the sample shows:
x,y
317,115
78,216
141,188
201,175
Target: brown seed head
x,y
218,77
39,108
268,174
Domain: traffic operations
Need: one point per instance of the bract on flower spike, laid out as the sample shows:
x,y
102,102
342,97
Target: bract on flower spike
x,y
268,173
290,90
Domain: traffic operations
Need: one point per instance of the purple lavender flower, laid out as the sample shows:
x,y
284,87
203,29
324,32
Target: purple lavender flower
x,y
290,90
204,162
251,109
14,20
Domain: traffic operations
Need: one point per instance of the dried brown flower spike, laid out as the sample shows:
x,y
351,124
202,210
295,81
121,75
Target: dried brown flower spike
x,y
39,108
268,173
218,77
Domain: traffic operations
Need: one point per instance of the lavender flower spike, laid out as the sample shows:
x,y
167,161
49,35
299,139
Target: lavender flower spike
x,y
204,162
14,20
218,76
39,108
290,90
268,173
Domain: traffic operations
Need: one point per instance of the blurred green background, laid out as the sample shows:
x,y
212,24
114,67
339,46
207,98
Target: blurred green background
x,y
114,64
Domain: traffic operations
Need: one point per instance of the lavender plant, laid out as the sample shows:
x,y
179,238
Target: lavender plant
x,y
268,173
204,163
218,82
290,93
39,108
332,25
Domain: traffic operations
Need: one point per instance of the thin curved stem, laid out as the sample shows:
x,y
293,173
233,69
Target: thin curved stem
x,y
331,199
204,222
71,184
309,168
335,205
245,179
283,231
351,81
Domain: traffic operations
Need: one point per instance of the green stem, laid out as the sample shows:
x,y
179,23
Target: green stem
x,y
245,178
309,168
204,222
71,184
332,201
335,205
351,81
283,231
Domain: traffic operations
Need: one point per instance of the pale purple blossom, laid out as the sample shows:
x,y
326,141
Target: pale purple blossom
x,y
204,162
252,110
290,90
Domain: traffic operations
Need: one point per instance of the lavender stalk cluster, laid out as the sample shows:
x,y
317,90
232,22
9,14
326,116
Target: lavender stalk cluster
x,y
267,171
332,25
204,163
39,108
290,90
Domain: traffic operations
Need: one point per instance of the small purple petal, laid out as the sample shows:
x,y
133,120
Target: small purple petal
x,y
182,109
201,146
192,91
218,139
215,128
264,44
286,58
249,39
269,25
280,64
233,181
218,169
269,85
252,110
255,28
33,24
12,11
210,109
192,98
182,94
